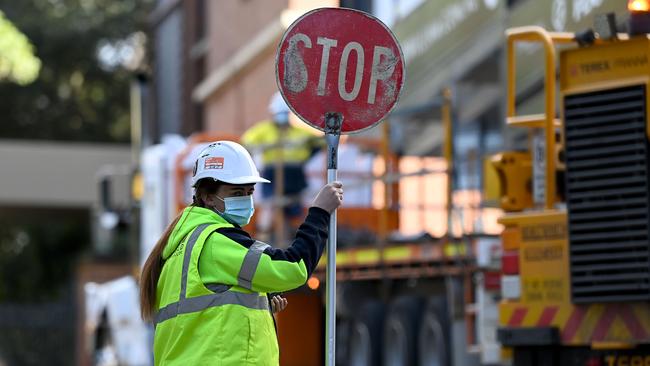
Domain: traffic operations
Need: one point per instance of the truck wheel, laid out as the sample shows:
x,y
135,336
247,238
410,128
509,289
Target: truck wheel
x,y
400,332
433,336
365,337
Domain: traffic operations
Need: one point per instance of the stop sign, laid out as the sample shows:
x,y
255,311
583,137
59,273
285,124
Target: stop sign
x,y
340,60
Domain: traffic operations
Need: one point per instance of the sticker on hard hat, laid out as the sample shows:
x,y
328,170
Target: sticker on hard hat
x,y
213,163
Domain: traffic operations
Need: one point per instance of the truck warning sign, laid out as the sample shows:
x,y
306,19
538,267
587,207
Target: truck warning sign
x,y
544,263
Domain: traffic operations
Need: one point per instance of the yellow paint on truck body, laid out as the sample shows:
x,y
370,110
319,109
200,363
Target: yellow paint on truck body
x,y
545,289
375,256
592,67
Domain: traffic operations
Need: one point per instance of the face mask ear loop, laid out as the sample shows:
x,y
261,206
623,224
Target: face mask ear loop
x,y
224,206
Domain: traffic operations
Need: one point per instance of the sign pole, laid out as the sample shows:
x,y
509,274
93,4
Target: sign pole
x,y
333,122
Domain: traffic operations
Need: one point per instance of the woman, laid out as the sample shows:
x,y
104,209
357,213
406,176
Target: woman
x,y
205,282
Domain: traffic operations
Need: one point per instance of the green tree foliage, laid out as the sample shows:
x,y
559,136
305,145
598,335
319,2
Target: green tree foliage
x,y
78,95
17,60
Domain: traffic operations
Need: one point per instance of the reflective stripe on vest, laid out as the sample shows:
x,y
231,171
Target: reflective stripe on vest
x,y
195,304
250,263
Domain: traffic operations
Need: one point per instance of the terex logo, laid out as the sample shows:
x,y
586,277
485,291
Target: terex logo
x,y
596,66
619,63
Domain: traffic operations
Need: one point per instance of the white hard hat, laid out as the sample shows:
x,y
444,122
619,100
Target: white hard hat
x,y
228,162
277,104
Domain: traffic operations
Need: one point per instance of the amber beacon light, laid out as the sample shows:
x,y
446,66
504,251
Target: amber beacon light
x,y
638,5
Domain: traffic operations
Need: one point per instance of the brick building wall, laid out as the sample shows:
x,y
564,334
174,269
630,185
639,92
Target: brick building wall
x,y
243,36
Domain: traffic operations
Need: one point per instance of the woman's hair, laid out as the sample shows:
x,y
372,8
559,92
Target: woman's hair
x,y
154,263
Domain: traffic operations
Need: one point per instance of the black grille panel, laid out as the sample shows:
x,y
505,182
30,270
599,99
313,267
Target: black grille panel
x,y
607,184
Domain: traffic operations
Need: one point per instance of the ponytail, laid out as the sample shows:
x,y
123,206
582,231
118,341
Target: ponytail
x,y
154,263
151,273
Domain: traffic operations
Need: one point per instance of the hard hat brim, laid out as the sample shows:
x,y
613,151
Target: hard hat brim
x,y
246,180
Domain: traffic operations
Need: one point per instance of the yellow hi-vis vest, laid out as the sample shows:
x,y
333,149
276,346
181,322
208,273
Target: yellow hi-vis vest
x,y
198,326
299,143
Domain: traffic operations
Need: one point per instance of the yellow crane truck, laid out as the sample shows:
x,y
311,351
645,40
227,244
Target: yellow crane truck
x,y
576,267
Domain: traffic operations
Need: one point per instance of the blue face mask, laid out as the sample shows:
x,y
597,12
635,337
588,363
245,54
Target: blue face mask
x,y
239,210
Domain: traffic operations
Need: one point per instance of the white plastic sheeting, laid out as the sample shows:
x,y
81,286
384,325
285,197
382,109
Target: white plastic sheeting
x,y
130,337
157,209
355,170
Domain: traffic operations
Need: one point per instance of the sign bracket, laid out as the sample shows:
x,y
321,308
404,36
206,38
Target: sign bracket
x,y
333,123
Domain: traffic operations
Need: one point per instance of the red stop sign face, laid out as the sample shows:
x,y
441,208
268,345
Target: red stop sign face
x,y
340,60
